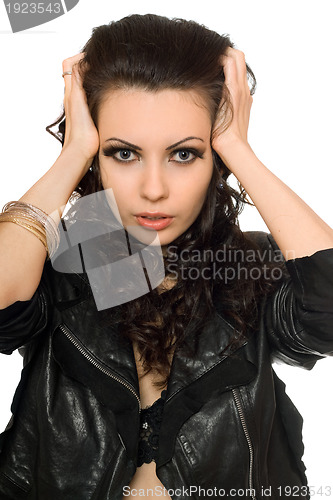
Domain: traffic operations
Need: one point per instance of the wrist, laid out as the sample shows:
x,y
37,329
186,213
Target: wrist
x,y
76,157
233,149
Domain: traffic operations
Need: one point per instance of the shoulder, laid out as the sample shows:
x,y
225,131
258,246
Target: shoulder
x,y
262,239
265,246
64,286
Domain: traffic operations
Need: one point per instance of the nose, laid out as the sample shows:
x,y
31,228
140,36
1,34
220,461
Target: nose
x,y
154,185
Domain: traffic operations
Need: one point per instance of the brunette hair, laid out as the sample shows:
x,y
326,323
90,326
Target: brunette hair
x,y
153,53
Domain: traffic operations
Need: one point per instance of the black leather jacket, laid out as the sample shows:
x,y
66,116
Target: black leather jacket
x,y
227,424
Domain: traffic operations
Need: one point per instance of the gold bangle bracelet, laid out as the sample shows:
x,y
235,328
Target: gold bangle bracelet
x,y
36,218
24,220
21,215
39,234
16,205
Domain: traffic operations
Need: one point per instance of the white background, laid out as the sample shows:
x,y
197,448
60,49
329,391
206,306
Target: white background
x,y
289,47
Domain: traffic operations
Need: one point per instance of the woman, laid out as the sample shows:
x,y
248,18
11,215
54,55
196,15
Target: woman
x,y
170,393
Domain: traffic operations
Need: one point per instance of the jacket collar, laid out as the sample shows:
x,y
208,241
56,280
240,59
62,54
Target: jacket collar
x,y
198,355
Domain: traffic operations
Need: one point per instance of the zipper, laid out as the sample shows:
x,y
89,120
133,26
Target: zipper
x,y
247,436
94,362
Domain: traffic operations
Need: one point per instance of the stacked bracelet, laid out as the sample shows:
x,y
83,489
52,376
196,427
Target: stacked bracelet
x,y
34,220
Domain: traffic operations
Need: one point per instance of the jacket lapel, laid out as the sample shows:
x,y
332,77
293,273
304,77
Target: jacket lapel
x,y
195,380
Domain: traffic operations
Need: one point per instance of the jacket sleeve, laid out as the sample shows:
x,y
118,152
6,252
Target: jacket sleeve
x,y
22,321
298,316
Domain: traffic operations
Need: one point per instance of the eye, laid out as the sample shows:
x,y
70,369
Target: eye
x,y
185,155
120,154
124,155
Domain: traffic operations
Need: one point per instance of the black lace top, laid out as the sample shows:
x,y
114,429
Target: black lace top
x,y
150,423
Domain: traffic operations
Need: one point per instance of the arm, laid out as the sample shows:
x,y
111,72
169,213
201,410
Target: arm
x,y
21,253
22,321
296,228
298,317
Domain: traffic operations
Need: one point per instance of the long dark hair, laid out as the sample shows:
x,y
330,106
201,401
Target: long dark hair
x,y
153,53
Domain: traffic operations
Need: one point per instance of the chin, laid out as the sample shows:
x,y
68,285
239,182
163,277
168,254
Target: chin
x,y
148,236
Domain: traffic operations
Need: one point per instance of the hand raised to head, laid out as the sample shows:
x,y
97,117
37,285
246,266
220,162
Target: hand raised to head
x,y
232,122
81,132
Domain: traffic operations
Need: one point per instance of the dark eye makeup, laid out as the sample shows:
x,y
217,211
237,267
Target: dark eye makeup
x,y
111,151
126,153
187,151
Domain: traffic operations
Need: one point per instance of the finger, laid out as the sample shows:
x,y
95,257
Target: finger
x,y
242,70
77,77
67,66
239,57
75,96
233,61
77,93
68,63
236,76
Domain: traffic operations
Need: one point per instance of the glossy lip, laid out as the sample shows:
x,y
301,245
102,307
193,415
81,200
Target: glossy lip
x,y
157,224
153,214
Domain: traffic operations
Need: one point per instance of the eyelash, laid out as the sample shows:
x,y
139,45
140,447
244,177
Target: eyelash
x,y
113,150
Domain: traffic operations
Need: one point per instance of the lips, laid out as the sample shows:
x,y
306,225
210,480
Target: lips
x,y
154,215
154,220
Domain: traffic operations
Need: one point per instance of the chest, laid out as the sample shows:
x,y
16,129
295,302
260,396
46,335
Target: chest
x,y
149,392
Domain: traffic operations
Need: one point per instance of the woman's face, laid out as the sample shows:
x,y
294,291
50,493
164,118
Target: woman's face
x,y
155,154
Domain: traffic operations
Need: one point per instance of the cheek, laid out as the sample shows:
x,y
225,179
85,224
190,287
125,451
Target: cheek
x,y
111,178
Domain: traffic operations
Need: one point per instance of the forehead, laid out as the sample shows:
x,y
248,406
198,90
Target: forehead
x,y
136,111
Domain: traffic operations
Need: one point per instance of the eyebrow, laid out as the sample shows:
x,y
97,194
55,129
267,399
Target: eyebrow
x,y
183,140
166,149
